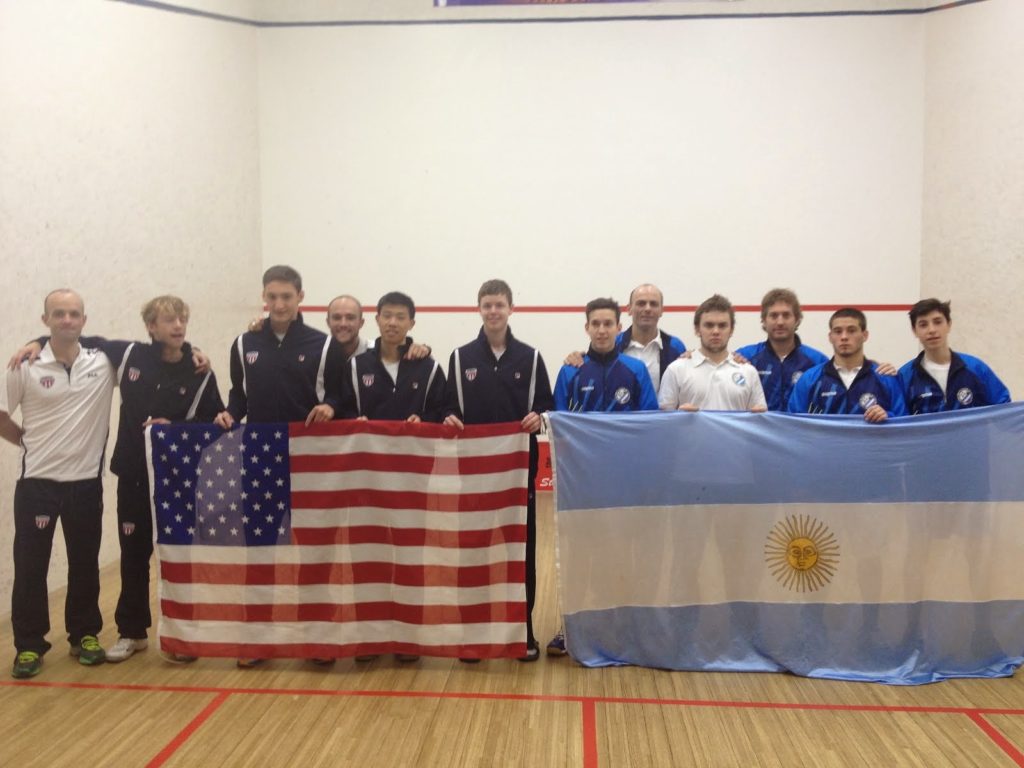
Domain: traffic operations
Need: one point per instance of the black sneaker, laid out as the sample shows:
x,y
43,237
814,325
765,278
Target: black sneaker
x,y
26,664
89,651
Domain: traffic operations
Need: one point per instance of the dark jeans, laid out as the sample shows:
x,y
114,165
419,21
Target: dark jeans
x,y
135,533
37,506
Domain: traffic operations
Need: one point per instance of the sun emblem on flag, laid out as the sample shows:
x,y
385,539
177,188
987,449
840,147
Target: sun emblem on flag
x,y
802,553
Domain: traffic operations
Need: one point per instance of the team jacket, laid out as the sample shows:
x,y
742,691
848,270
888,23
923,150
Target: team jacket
x,y
671,346
372,393
482,389
283,380
821,390
779,376
605,382
971,383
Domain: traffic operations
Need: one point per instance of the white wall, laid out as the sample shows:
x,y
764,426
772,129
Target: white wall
x,y
579,160
128,168
973,240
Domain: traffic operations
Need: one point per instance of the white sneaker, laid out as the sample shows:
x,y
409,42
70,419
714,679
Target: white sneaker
x,y
125,647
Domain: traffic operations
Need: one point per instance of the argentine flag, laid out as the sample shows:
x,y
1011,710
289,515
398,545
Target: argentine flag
x,y
818,545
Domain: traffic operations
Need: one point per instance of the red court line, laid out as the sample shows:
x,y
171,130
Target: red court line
x,y
567,308
164,755
589,734
996,735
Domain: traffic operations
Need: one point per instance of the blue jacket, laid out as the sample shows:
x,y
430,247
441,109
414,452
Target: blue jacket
x,y
671,346
779,376
283,380
605,382
971,383
821,390
371,392
482,389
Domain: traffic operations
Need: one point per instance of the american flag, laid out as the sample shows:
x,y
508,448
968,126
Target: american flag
x,y
340,539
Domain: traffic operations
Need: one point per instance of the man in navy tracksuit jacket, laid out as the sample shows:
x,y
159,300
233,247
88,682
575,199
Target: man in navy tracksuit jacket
x,y
607,381
643,339
848,383
782,358
493,379
940,379
382,383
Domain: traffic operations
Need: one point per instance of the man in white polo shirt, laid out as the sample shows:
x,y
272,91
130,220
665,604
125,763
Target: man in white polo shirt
x,y
710,378
64,398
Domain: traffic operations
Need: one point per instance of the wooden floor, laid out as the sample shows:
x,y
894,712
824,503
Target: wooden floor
x,y
148,712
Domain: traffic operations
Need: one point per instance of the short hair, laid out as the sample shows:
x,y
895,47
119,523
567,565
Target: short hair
x,y
661,294
926,307
495,287
611,304
46,299
785,296
852,312
281,273
716,303
397,298
170,305
345,296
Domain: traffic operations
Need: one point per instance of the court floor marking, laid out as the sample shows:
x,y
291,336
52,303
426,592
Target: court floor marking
x,y
588,706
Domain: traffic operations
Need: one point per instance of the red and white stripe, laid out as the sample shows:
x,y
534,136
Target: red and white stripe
x,y
407,538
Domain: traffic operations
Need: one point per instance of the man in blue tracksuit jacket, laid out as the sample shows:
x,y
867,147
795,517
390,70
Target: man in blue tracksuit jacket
x,y
607,381
782,358
384,384
849,382
940,379
497,378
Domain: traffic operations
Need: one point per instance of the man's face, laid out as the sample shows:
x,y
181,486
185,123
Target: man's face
x,y
715,330
65,316
394,323
646,308
345,320
168,329
602,327
494,311
932,330
780,322
282,301
847,337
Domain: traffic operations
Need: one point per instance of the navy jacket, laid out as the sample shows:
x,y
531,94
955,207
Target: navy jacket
x,y
779,376
821,390
283,380
605,382
371,392
971,383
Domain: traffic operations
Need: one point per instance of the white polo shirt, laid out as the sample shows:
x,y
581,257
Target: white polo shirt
x,y
650,355
724,386
65,414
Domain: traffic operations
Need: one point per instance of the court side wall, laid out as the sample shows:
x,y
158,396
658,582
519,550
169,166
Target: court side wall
x,y
128,168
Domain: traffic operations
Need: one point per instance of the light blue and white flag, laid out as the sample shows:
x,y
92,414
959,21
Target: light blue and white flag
x,y
818,545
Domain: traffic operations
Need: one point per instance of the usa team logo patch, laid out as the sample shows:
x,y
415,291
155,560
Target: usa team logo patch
x,y
470,374
134,374
415,385
964,396
867,400
368,379
251,357
128,528
517,375
42,521
46,382
302,358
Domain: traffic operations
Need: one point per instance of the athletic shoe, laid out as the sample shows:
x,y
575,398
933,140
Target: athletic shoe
x,y
89,651
406,657
248,663
557,645
125,647
26,664
532,653
179,658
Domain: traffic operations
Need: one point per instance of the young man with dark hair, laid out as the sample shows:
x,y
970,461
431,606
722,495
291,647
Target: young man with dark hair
x,y
607,381
939,379
848,383
782,357
385,384
497,378
710,378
